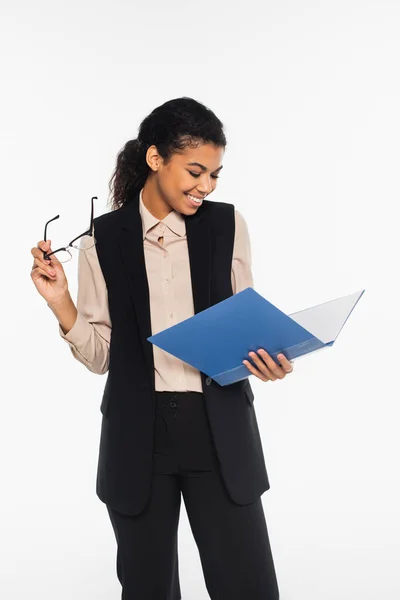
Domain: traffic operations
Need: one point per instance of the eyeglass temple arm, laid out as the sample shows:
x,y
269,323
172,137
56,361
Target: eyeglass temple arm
x,y
90,230
45,227
45,255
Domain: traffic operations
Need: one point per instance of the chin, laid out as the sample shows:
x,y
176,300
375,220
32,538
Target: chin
x,y
187,211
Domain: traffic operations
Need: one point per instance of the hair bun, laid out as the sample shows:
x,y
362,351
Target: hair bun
x,y
134,146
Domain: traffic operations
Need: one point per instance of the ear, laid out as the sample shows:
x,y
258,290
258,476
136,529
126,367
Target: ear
x,y
153,158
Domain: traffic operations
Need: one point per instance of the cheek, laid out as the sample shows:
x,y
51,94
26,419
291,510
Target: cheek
x,y
186,182
169,184
178,180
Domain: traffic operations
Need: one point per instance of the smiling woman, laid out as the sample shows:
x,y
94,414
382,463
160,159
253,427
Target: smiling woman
x,y
163,253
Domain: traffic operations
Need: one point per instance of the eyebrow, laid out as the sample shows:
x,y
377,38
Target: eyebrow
x,y
202,167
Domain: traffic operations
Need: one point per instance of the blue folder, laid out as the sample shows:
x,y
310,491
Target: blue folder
x,y
217,340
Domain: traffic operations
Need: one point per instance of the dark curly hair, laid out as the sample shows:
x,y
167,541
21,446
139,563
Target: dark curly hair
x,y
171,127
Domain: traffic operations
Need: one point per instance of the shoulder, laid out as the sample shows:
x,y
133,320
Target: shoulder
x,y
221,212
108,223
218,212
224,215
213,208
108,218
240,223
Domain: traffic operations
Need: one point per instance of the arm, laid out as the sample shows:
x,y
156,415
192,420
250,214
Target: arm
x,y
241,279
87,327
241,275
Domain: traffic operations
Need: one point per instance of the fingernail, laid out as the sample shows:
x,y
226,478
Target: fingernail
x,y
52,273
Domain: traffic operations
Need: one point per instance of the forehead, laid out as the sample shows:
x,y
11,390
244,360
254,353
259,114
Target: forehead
x,y
206,154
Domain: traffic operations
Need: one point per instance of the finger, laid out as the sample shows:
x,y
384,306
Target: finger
x,y
53,257
43,248
43,244
269,361
38,272
285,363
273,366
271,369
37,253
46,270
54,260
255,372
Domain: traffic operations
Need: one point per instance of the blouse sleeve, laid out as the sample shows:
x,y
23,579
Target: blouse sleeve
x,y
241,274
89,338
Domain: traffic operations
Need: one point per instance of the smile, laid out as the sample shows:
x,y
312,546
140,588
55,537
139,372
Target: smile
x,y
194,199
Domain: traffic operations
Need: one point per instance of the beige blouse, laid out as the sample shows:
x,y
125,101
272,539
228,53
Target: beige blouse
x,y
170,291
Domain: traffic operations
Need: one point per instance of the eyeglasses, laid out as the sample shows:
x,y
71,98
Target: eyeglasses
x,y
87,243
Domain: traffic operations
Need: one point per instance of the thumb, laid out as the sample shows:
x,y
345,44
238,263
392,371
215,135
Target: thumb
x,y
53,258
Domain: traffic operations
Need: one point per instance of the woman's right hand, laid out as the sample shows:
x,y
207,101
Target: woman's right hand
x,y
53,288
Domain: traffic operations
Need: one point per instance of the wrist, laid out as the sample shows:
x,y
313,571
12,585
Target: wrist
x,y
65,312
63,301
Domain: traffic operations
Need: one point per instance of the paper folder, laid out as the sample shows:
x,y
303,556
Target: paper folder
x,y
217,340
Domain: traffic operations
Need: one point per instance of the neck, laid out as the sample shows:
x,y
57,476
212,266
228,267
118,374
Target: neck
x,y
153,201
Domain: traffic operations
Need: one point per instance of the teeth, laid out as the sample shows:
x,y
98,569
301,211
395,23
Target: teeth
x,y
198,200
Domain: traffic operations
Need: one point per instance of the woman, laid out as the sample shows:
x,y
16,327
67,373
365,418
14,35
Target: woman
x,y
162,254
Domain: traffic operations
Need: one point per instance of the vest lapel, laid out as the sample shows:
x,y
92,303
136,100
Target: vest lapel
x,y
199,248
131,242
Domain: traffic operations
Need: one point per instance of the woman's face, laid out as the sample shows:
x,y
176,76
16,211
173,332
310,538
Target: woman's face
x,y
188,176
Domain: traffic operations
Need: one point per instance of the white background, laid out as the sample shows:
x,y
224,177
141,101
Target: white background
x,y
309,94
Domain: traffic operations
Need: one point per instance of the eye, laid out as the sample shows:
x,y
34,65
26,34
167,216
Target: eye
x,y
198,175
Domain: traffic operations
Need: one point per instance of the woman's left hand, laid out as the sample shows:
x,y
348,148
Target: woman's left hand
x,y
268,369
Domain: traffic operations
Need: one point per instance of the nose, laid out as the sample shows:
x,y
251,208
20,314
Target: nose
x,y
206,186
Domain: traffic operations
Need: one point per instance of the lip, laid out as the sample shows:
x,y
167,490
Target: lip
x,y
193,203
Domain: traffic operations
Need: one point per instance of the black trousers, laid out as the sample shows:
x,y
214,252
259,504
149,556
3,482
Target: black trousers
x,y
232,540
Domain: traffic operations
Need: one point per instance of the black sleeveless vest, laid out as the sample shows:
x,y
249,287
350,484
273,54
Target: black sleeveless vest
x,y
128,405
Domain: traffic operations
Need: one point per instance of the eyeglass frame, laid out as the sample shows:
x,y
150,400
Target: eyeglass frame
x,y
88,232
